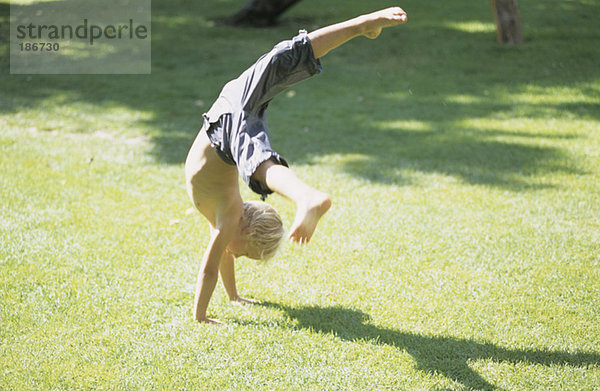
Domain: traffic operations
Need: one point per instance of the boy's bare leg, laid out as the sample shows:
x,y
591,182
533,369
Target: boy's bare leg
x,y
370,25
311,203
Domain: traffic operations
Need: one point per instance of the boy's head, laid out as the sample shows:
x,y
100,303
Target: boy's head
x,y
261,232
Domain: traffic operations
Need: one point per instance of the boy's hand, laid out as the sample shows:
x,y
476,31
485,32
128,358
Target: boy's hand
x,y
210,321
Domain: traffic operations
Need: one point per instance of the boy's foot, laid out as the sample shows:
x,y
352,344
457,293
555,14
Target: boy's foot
x,y
307,217
376,21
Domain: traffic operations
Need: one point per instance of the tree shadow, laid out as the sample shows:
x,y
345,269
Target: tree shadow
x,y
478,158
192,57
447,356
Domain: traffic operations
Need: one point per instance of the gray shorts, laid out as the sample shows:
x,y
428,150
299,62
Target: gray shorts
x,y
236,123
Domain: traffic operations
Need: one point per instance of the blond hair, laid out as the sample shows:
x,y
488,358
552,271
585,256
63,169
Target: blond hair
x,y
266,232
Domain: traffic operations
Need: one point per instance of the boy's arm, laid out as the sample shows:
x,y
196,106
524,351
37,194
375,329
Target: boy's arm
x,y
209,270
227,269
328,38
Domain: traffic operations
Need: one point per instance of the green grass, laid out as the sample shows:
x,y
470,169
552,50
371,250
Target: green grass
x,y
462,250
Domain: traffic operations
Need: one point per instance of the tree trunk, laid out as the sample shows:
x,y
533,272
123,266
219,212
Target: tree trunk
x,y
508,22
261,12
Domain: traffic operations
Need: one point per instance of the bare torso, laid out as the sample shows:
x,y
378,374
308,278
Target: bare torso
x,y
211,183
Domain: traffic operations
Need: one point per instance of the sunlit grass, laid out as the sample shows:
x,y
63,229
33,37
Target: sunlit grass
x,y
473,27
461,250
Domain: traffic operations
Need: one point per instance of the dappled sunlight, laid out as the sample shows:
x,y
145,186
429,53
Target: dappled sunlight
x,y
76,50
513,153
31,2
408,125
64,112
465,99
337,158
523,127
555,95
451,85
472,27
183,21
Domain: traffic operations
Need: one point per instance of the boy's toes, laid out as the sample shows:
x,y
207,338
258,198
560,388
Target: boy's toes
x,y
299,236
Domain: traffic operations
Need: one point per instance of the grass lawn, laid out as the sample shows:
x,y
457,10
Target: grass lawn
x,y
462,250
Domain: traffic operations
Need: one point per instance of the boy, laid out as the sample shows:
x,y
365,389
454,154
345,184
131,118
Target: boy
x,y
234,139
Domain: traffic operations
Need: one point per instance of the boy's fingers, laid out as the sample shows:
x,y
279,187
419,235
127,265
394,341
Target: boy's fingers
x,y
211,321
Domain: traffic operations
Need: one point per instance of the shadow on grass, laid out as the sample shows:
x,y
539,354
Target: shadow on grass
x,y
447,356
480,158
192,57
